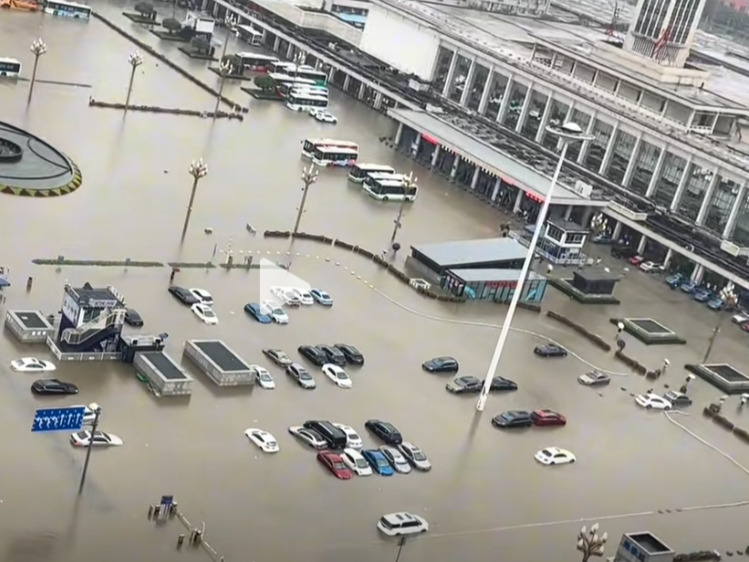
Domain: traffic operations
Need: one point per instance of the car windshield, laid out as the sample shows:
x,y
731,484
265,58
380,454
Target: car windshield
x,y
385,523
546,452
361,463
338,465
304,375
281,355
381,461
272,443
278,312
265,377
82,435
341,376
419,456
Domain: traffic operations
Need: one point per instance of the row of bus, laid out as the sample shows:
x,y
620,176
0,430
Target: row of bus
x,y
379,181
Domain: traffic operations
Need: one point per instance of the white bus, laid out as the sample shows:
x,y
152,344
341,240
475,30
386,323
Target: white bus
x,y
390,190
309,145
335,156
283,78
378,176
9,68
304,102
287,87
256,62
360,172
67,9
303,71
249,35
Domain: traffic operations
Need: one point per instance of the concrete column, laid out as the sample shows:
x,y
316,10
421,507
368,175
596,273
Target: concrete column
x,y
734,214
609,150
276,44
568,212
525,109
667,259
475,178
346,83
290,52
454,170
586,144
656,172
616,232
544,119
587,214
398,134
505,99
360,95
377,100
682,184
331,74
495,191
518,199
697,273
708,196
632,161
450,74
487,92
567,119
641,245
468,84
435,155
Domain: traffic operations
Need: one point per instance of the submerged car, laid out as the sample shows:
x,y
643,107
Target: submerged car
x,y
321,297
513,418
32,365
254,310
594,378
53,386
554,455
441,365
550,350
101,439
132,318
205,313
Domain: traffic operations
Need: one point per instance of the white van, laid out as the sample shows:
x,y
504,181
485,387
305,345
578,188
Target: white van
x,y
402,523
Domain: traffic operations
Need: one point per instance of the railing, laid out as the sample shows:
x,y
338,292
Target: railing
x,y
107,319
82,356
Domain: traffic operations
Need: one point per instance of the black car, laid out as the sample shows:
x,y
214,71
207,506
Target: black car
x,y
550,350
464,385
385,431
624,251
441,365
513,418
313,354
183,295
278,356
132,318
352,355
333,355
53,386
501,384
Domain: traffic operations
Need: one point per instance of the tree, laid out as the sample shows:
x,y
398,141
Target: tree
x,y
200,44
265,83
234,61
171,25
144,9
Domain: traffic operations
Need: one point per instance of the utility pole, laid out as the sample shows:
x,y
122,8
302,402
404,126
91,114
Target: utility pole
x,y
38,48
94,426
309,176
409,182
198,169
231,26
135,59
401,544
730,299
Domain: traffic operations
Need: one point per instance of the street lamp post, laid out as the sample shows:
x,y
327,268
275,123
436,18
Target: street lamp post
x,y
38,48
309,176
409,182
225,68
590,543
135,59
568,133
231,26
730,299
95,424
198,169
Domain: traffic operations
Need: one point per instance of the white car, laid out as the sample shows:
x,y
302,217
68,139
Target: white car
x,y
264,440
652,401
554,455
402,523
205,313
32,365
415,456
203,296
337,375
285,296
88,413
740,318
651,267
303,295
308,436
277,313
263,377
353,441
101,439
325,117
313,111
353,459
396,459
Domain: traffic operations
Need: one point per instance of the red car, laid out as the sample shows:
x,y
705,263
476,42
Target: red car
x,y
636,260
547,417
745,326
334,464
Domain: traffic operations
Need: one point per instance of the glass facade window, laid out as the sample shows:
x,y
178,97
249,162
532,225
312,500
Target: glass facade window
x,y
582,119
517,98
740,235
624,144
444,59
698,179
668,182
597,149
460,77
645,163
535,115
721,203
558,113
477,87
496,93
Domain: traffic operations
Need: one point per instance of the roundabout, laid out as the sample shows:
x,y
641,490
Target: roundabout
x,y
31,167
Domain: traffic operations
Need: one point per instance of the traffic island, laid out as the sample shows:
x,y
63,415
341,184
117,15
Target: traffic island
x,y
196,54
265,95
723,376
215,70
142,19
595,339
589,286
649,331
168,36
168,110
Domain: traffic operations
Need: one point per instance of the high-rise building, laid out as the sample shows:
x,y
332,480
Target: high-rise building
x,y
664,30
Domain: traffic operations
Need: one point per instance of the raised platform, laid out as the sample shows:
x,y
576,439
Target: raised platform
x,y
649,331
32,167
165,376
723,376
219,363
81,355
29,326
566,287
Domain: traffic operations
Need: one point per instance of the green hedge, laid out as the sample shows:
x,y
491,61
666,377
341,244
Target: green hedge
x,y
638,367
96,263
595,339
191,265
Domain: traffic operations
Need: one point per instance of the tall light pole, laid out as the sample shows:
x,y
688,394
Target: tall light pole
x,y
231,25
590,543
225,68
568,133
135,59
38,48
409,182
309,176
198,169
730,300
95,424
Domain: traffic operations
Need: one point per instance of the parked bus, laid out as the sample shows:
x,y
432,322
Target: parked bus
x,y
249,35
309,145
360,172
318,77
67,9
256,62
282,78
285,87
390,190
335,156
387,176
300,101
9,68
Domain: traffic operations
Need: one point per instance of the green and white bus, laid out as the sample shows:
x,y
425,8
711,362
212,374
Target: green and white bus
x,y
360,172
390,190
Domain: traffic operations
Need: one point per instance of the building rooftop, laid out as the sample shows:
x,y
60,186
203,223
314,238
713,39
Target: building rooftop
x,y
96,297
479,275
568,226
487,250
648,542
597,275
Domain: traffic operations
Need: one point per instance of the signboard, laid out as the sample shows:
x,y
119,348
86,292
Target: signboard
x,y
582,189
58,419
167,500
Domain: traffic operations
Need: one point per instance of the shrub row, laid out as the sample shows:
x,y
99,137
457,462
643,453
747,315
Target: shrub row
x,y
698,555
277,234
191,265
633,364
169,110
712,410
595,339
97,263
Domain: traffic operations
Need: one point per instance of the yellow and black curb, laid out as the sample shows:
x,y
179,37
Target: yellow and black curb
x,y
74,183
